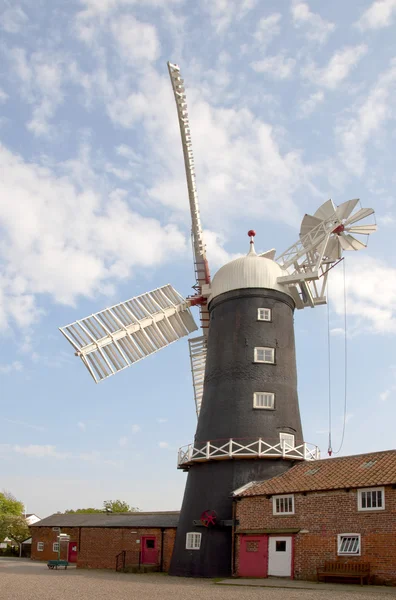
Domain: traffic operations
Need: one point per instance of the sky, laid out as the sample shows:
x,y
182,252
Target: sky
x,y
290,103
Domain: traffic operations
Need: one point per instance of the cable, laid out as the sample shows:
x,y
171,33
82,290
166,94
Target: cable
x,y
345,362
329,449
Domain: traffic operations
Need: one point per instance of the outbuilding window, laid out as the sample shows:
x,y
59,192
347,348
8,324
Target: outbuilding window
x,y
55,547
371,499
56,529
264,355
283,505
193,540
40,546
263,314
263,400
349,543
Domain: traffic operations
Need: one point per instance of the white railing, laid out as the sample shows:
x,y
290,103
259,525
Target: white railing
x,y
241,448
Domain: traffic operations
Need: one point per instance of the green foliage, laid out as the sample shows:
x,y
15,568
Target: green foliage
x,y
17,529
114,506
9,505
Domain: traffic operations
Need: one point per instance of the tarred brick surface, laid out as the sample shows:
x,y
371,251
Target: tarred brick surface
x,y
324,515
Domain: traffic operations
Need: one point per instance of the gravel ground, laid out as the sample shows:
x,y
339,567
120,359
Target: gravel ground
x,y
26,580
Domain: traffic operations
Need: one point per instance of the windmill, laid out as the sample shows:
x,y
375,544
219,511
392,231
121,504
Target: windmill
x,y
243,365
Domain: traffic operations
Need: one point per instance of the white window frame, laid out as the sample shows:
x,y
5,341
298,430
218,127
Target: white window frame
x,y
371,508
265,315
57,547
283,440
341,537
193,540
265,348
40,546
269,396
282,500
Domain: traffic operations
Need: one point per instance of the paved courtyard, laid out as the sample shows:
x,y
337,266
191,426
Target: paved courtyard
x,y
27,580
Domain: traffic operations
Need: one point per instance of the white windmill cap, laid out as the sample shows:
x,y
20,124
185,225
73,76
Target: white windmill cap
x,y
250,271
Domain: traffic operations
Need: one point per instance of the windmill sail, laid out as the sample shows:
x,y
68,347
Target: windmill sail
x,y
117,337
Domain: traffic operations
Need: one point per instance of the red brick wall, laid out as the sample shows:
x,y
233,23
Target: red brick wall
x,y
98,546
324,515
46,535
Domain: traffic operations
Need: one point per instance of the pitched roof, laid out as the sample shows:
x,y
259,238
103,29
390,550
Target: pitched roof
x,y
136,519
361,470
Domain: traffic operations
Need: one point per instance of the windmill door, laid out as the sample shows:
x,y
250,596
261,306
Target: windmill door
x,y
253,556
280,556
149,550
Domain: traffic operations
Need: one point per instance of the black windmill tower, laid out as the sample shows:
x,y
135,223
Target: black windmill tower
x,y
243,365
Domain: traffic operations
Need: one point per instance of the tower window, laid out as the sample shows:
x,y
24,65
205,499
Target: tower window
x,y
263,400
263,314
193,540
264,355
286,440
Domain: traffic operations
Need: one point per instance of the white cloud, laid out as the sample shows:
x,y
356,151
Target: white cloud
x,y
136,428
37,451
81,426
277,66
23,424
267,29
163,445
380,14
225,12
162,420
316,29
384,395
338,68
14,366
13,19
355,132
308,105
49,252
337,331
368,311
42,79
136,41
123,441
3,96
386,220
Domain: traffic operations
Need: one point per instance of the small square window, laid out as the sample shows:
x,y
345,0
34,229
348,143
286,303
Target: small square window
x,y
150,544
56,529
349,543
371,499
264,355
263,400
55,547
280,546
283,505
193,540
286,441
40,546
263,314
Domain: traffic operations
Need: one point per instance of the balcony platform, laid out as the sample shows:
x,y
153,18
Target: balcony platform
x,y
235,448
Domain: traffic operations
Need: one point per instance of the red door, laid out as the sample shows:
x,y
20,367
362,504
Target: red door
x,y
149,550
253,556
72,552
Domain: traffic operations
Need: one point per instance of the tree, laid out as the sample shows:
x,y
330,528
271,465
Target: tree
x,y
115,506
18,529
9,505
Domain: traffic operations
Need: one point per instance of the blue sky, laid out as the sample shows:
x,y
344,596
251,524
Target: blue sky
x,y
290,103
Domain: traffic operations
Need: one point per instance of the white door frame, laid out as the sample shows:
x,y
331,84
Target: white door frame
x,y
280,562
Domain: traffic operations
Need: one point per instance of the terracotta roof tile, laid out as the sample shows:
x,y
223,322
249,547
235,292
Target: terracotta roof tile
x,y
361,470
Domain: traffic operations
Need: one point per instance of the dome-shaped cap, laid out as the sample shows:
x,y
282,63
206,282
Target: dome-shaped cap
x,y
251,271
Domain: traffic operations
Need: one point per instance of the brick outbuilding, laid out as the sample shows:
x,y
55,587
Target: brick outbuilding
x,y
340,509
96,540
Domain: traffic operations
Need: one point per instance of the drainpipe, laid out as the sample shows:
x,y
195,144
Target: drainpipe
x,y
233,537
162,550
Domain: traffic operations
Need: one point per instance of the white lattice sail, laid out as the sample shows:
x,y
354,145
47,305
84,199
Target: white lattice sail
x,y
198,362
119,336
